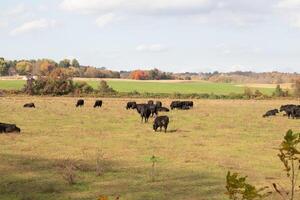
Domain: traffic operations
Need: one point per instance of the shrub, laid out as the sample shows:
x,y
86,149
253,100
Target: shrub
x,y
248,94
237,188
104,88
68,172
279,92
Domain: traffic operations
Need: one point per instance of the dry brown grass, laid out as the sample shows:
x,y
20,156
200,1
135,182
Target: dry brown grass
x,y
194,156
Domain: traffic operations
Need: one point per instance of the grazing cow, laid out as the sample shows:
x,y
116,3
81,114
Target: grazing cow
x,y
29,105
295,112
163,109
185,107
188,103
150,102
175,104
98,103
271,113
158,104
288,109
161,121
131,105
145,113
80,103
153,109
9,128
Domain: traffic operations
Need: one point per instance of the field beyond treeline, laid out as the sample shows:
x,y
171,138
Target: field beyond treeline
x,y
169,87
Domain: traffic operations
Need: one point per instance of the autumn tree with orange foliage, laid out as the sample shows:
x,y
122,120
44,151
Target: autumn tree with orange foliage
x,y
139,75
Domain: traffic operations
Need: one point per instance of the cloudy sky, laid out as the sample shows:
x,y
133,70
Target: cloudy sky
x,y
173,35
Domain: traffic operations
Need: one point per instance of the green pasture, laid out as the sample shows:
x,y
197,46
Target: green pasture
x,y
156,87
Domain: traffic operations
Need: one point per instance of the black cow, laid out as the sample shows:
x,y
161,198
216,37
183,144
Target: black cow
x,y
288,109
188,103
185,107
271,113
138,107
98,103
150,102
131,105
295,112
161,121
145,113
29,105
80,103
9,128
158,104
175,104
153,109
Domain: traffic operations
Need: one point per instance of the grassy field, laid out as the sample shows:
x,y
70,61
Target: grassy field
x,y
156,87
194,156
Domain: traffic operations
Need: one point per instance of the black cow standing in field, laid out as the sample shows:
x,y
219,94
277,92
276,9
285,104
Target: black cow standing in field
x,y
296,114
80,103
289,109
98,103
271,113
9,128
161,121
29,105
145,112
131,105
163,109
153,109
138,107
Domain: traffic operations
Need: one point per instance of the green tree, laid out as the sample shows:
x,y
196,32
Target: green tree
x,y
4,66
65,63
24,67
75,63
154,74
279,92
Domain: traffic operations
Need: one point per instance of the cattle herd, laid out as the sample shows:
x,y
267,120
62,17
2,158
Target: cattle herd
x,y
290,110
145,110
151,109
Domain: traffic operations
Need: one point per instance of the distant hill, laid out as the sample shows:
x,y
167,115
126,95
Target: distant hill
x,y
250,77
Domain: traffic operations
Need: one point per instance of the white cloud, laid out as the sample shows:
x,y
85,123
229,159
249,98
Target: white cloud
x,y
16,10
290,10
103,20
291,4
138,6
235,12
151,48
33,26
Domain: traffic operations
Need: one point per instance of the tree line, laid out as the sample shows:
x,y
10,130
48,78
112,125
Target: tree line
x,y
43,67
